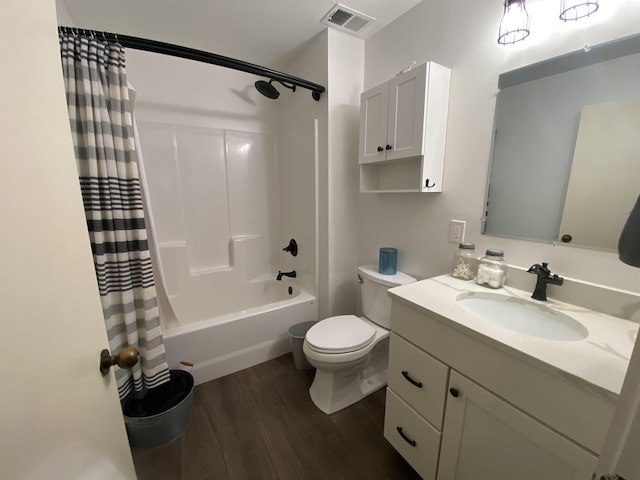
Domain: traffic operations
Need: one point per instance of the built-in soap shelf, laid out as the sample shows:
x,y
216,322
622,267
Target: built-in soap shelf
x,y
196,271
263,278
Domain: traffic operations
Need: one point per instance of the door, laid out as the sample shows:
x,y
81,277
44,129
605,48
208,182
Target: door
x,y
620,452
484,438
60,419
374,107
405,127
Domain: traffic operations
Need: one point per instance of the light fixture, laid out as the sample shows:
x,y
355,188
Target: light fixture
x,y
577,9
514,25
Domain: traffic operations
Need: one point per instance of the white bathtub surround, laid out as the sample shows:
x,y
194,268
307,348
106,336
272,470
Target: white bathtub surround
x,y
218,204
212,192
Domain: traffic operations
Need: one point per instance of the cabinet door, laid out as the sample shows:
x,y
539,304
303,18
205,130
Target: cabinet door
x,y
405,127
486,438
374,107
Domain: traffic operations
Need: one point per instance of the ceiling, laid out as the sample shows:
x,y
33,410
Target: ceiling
x,y
261,32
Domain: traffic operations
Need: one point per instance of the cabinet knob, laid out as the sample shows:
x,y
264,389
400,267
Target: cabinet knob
x,y
454,392
388,147
380,149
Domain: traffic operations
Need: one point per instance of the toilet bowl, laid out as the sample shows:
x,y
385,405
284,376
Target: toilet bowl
x,y
351,353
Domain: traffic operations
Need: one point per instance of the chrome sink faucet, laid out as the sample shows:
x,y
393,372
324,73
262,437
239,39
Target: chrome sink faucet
x,y
544,277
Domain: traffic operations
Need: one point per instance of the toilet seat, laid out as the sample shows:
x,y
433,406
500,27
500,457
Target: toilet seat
x,y
340,334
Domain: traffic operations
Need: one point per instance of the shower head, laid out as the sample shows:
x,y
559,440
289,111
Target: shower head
x,y
268,90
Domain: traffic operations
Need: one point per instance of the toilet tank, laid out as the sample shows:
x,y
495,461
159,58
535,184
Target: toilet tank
x,y
376,304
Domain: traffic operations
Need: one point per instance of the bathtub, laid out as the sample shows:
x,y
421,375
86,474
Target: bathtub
x,y
238,335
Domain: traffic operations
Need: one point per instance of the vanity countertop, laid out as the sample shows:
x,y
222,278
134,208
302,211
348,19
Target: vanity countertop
x,y
601,359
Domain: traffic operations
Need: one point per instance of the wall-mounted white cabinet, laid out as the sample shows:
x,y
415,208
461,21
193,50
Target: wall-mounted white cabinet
x,y
403,126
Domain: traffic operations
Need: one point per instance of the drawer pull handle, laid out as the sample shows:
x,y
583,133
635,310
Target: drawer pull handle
x,y
454,392
406,375
405,437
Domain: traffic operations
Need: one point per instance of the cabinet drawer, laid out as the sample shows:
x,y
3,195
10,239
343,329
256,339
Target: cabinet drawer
x,y
412,436
418,378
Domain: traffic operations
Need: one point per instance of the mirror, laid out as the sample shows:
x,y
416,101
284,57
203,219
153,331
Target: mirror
x,y
566,152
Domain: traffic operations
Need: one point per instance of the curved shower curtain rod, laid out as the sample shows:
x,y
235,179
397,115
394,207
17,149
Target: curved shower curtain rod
x,y
199,56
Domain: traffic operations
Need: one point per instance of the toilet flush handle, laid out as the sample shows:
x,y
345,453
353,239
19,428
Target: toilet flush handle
x,y
360,279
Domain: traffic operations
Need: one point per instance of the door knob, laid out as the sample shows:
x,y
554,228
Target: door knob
x,y
125,358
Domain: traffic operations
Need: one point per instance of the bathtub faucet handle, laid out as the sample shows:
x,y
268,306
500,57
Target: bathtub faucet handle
x,y
292,247
291,274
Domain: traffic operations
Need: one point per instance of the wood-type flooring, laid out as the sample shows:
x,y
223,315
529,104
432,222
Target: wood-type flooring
x,y
260,424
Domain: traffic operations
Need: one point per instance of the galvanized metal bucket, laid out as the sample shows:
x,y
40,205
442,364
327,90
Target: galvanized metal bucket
x,y
164,427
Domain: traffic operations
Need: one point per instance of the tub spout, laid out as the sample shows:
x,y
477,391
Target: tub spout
x,y
291,274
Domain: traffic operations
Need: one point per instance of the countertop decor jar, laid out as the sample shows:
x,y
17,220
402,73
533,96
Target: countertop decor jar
x,y
492,269
465,262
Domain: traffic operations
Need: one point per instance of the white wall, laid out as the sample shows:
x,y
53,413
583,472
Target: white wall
x,y
310,62
63,16
336,60
172,89
462,35
346,72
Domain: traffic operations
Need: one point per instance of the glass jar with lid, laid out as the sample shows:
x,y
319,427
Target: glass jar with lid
x,y
492,269
465,262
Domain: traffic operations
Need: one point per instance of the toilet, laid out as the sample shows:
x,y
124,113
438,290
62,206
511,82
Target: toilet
x,y
351,353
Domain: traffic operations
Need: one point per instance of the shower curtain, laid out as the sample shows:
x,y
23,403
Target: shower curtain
x,y
101,118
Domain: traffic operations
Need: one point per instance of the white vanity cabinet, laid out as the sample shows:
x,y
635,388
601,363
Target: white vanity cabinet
x,y
461,409
402,131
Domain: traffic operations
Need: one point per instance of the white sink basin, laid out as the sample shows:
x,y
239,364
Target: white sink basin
x,y
522,316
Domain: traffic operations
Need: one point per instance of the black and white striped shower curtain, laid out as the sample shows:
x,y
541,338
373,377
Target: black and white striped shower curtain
x,y
101,119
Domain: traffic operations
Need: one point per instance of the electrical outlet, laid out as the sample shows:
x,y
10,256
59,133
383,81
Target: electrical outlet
x,y
456,231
